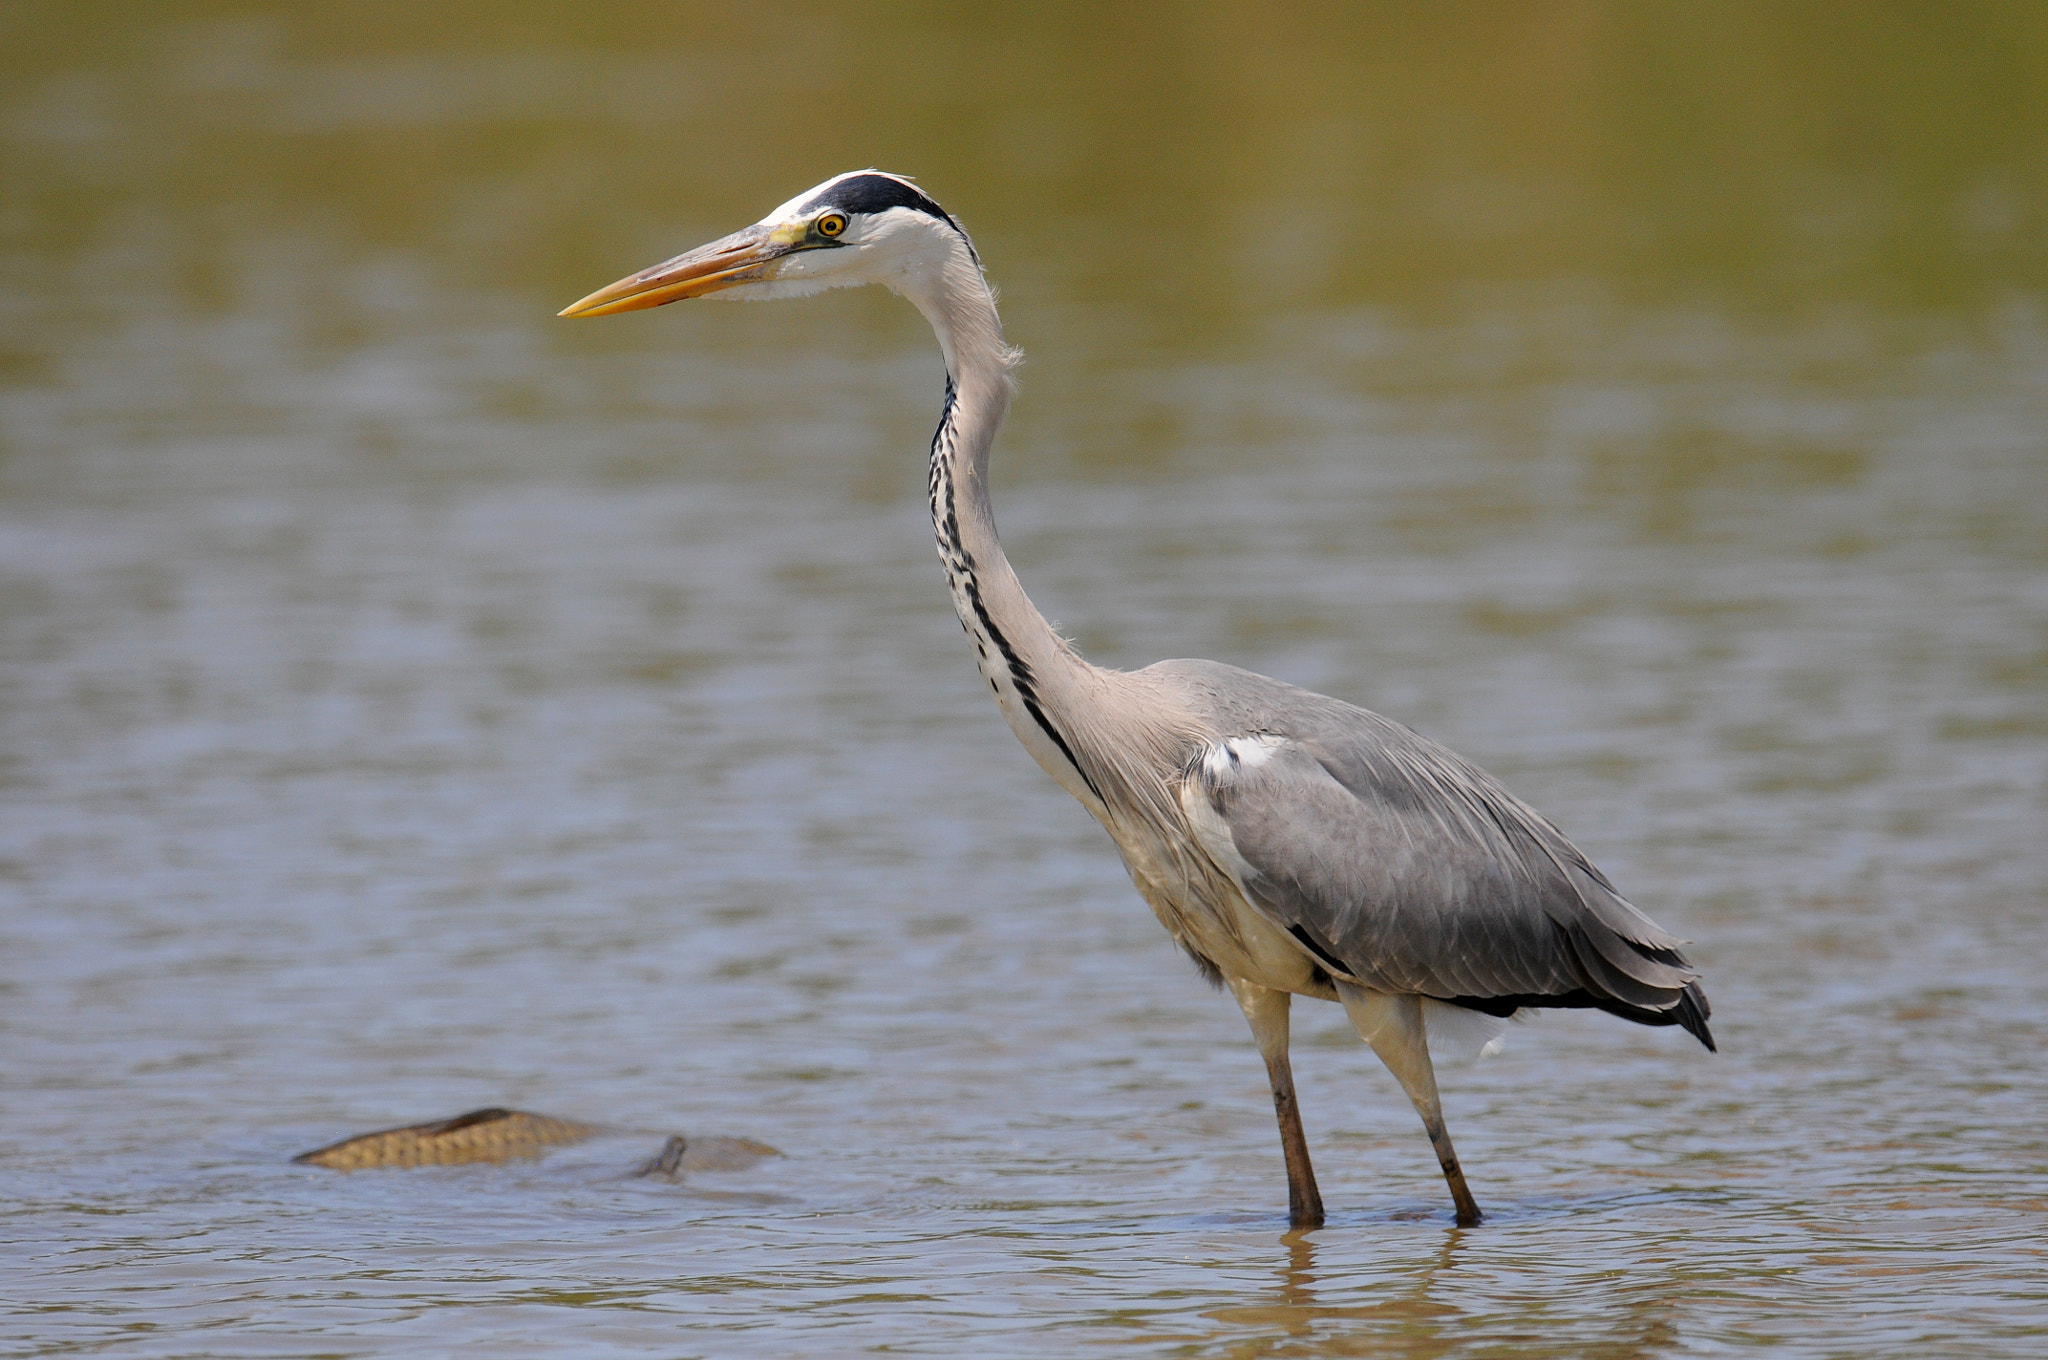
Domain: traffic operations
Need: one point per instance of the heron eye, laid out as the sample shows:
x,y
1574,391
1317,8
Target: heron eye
x,y
831,224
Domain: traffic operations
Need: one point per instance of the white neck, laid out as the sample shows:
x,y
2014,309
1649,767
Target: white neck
x,y
1039,681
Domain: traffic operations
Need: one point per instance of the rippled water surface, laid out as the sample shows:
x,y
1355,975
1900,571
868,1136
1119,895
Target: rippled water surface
x,y
409,702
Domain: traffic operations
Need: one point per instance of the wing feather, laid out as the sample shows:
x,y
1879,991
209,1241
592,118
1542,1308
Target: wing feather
x,y
1417,870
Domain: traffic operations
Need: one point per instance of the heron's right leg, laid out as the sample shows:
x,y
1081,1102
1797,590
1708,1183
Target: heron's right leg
x,y
1392,1024
1266,1009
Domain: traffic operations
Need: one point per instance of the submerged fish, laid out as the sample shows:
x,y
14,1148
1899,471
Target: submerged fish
x,y
489,1135
680,1155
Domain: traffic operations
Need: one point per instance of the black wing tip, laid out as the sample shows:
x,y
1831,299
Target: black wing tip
x,y
1692,1012
1689,1012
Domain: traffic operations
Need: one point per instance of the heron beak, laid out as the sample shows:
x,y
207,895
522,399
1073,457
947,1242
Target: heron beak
x,y
746,256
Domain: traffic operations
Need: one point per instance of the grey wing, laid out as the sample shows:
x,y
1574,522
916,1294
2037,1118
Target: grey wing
x,y
1409,869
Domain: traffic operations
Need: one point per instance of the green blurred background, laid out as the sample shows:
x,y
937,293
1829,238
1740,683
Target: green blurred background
x,y
203,204
411,701
1183,162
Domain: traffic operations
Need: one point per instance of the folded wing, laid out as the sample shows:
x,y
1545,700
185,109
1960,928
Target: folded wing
x,y
1408,869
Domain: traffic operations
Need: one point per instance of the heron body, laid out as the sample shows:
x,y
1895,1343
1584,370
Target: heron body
x,y
1291,843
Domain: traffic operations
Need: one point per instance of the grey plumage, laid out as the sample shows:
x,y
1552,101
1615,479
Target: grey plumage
x,y
1291,843
1410,869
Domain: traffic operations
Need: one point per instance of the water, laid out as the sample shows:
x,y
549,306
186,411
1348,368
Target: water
x,y
415,703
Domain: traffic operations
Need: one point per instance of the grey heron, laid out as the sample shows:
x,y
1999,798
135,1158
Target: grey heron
x,y
1292,844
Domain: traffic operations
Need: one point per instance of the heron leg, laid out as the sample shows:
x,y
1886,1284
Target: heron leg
x,y
1392,1024
1266,1010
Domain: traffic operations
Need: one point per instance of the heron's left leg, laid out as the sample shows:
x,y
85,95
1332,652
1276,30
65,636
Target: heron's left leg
x,y
1392,1024
1266,1010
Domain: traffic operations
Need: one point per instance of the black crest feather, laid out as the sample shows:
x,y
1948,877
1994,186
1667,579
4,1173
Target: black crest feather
x,y
877,193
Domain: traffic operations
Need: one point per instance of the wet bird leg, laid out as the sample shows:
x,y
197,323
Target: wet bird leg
x,y
1393,1026
1266,1010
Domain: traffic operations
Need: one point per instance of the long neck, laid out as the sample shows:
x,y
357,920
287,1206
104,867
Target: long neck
x,y
1044,688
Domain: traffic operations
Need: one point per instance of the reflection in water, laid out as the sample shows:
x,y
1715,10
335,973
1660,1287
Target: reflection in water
x,y
1418,1314
1405,1308
411,702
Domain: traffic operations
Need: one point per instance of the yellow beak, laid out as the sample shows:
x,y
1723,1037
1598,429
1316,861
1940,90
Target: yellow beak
x,y
743,257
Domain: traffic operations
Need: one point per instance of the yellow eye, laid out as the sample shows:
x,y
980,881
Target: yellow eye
x,y
831,224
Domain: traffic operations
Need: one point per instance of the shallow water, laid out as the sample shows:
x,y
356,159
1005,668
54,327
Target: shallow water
x,y
413,703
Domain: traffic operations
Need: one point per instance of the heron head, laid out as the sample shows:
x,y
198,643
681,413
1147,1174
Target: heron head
x,y
860,227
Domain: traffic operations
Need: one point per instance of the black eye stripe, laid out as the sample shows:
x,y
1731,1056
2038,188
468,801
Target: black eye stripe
x,y
875,194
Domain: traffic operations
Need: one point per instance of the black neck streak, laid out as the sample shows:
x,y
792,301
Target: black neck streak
x,y
974,615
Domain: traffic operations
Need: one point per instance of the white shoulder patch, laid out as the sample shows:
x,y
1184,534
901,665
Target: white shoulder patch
x,y
1221,764
1225,758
